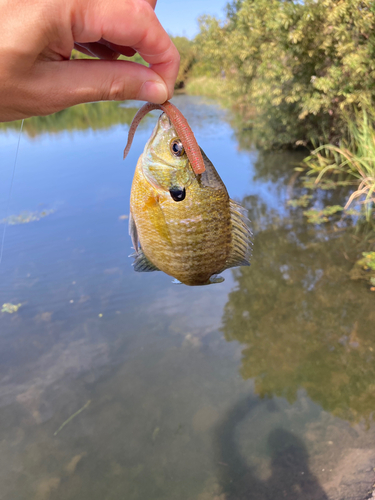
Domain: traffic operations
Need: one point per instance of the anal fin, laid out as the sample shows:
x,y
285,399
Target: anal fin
x,y
215,278
142,264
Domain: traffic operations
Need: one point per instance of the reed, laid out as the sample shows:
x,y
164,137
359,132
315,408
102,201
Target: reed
x,y
352,161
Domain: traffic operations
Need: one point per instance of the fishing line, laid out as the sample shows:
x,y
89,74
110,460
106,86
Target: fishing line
x,y
10,194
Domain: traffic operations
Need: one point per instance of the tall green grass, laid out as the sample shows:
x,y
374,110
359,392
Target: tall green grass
x,y
350,162
210,86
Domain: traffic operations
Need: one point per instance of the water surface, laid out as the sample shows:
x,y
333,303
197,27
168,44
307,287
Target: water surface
x,y
260,387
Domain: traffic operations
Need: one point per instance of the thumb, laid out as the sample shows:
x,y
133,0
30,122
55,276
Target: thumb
x,y
60,84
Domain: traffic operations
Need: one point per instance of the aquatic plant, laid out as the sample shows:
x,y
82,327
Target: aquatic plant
x,y
10,308
26,217
351,162
364,269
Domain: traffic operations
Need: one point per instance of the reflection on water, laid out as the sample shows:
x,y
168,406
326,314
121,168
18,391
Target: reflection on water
x,y
302,323
102,115
176,411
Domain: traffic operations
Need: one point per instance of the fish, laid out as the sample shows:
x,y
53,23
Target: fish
x,y
182,221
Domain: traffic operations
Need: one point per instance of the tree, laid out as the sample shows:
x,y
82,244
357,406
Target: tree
x,y
299,64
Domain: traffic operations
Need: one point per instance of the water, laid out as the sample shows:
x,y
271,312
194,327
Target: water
x,y
261,387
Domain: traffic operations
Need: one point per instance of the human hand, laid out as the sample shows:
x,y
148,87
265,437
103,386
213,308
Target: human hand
x,y
37,37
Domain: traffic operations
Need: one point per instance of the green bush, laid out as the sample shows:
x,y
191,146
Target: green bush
x,y
300,64
187,52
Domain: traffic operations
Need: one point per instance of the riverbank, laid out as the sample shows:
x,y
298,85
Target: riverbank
x,y
348,165
299,74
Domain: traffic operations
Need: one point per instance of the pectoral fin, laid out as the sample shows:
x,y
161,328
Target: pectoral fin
x,y
241,237
156,216
133,232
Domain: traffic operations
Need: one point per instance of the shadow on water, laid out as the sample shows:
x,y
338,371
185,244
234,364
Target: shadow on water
x,y
289,475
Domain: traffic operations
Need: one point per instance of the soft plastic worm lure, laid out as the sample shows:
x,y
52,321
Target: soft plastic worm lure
x,y
182,128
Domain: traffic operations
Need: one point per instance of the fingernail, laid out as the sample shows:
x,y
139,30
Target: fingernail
x,y
154,92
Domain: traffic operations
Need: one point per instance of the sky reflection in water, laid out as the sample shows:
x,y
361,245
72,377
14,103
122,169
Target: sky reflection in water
x,y
257,388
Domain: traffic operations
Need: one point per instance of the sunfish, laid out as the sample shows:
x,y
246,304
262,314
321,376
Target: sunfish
x,y
182,221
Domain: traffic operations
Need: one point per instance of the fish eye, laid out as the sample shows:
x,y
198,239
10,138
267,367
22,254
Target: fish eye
x,y
177,193
177,148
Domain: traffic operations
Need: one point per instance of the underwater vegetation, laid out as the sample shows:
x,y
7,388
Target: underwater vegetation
x,y
25,217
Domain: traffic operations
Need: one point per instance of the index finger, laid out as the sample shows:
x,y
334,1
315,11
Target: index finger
x,y
130,23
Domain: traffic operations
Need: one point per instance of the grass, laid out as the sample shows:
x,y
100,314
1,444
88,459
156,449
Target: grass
x,y
206,85
352,162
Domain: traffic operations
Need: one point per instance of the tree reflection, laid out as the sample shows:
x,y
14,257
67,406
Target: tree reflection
x,y
303,323
95,116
